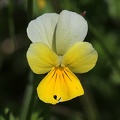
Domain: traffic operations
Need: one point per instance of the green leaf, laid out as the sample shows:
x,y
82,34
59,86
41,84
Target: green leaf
x,y
1,118
35,116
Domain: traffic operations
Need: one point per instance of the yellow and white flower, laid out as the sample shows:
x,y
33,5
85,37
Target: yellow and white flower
x,y
58,49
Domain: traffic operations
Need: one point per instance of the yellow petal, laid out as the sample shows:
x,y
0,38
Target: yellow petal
x,y
59,85
41,58
80,58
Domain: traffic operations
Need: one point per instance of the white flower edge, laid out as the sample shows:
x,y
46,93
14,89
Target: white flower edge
x,y
71,28
58,31
42,28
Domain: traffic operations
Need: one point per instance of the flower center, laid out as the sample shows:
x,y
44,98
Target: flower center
x,y
59,69
60,62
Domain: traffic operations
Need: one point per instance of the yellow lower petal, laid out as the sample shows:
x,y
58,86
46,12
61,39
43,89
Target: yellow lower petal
x,y
59,85
80,58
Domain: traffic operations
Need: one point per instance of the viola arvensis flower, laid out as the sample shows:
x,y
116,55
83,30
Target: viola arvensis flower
x,y
58,49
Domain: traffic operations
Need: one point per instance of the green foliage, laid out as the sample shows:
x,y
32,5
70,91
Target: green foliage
x,y
18,98
8,115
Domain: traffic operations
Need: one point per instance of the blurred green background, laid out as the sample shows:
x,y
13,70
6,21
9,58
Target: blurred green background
x,y
102,84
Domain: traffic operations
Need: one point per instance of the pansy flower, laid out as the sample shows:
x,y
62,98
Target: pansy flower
x,y
58,49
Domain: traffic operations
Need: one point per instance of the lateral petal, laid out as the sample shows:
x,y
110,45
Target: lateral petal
x,y
71,28
59,85
41,58
80,58
42,28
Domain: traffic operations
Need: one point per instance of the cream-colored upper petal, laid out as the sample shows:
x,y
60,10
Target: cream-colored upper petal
x,y
80,58
41,58
71,28
42,28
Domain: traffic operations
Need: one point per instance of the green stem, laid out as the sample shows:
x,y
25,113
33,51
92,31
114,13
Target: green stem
x,y
30,107
28,98
11,23
31,88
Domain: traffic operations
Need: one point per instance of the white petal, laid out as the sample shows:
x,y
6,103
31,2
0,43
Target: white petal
x,y
42,28
71,28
